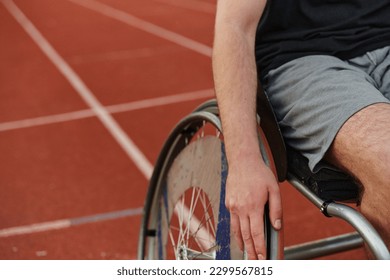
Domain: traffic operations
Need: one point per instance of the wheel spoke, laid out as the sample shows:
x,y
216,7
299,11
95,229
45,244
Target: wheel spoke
x,y
188,230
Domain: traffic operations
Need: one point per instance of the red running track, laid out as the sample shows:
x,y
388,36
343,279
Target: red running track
x,y
89,91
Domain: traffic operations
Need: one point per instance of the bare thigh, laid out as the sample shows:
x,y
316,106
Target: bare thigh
x,y
362,148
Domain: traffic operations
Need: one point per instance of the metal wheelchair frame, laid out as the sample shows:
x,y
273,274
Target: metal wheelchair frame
x,y
187,127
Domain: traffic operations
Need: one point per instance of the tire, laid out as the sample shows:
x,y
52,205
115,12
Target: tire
x,y
185,216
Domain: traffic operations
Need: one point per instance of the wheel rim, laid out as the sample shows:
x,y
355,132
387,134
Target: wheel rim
x,y
161,242
190,202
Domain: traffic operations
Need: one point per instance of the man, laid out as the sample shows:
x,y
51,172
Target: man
x,y
326,68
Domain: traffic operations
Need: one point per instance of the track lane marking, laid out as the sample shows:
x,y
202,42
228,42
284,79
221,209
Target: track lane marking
x,y
84,92
44,120
121,55
161,101
97,108
67,223
145,26
204,7
113,109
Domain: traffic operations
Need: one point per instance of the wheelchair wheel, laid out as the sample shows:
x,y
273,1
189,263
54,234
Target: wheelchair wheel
x,y
185,216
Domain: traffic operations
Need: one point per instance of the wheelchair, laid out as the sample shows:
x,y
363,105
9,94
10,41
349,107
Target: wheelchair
x,y
185,217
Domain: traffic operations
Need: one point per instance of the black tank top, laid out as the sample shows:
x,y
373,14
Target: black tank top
x,y
291,29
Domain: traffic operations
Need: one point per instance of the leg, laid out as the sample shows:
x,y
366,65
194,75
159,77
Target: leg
x,y
316,98
362,147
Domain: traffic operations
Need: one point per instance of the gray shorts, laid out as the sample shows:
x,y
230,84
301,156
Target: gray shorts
x,y
315,95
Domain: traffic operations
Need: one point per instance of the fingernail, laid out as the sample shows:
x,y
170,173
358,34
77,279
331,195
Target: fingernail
x,y
260,257
278,224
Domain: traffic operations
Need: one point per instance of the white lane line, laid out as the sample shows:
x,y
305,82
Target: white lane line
x,y
121,55
41,227
118,108
116,131
145,26
44,120
101,113
191,5
160,101
67,223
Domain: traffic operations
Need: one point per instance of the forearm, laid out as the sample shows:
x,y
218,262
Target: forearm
x,y
235,80
250,184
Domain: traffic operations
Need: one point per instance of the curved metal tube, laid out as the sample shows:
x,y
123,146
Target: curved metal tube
x,y
366,230
350,215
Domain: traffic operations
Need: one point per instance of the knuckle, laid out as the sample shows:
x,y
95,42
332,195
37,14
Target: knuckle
x,y
279,212
232,206
257,234
276,212
229,205
246,237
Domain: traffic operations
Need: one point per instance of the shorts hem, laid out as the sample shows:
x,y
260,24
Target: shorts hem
x,y
315,161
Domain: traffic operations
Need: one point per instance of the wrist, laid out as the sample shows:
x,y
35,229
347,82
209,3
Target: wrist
x,y
246,157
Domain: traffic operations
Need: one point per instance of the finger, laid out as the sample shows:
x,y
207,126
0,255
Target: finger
x,y
235,224
257,232
275,208
247,238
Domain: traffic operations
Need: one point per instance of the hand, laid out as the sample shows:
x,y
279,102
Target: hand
x,y
248,188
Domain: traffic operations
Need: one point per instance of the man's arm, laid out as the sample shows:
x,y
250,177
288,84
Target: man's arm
x,y
250,183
